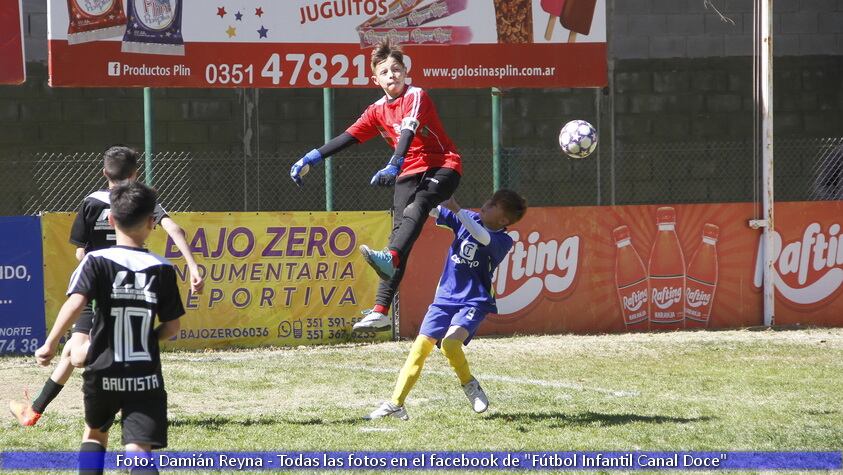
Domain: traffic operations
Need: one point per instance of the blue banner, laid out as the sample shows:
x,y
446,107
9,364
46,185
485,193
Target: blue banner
x,y
505,461
22,327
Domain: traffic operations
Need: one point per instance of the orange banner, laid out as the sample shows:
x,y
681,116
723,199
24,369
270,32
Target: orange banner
x,y
628,268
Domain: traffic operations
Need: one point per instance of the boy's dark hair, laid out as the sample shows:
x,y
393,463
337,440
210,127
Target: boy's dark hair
x,y
132,203
513,204
384,51
119,163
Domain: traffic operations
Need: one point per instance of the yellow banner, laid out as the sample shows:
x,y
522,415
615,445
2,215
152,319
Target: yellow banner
x,y
59,261
278,279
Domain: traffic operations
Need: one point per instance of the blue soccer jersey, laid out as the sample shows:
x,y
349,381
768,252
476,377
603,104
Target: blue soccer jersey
x,y
467,276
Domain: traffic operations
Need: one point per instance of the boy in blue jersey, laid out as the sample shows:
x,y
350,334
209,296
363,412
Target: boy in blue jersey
x,y
464,295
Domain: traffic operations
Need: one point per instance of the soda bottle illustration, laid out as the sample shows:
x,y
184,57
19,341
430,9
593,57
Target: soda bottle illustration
x,y
631,282
702,279
667,274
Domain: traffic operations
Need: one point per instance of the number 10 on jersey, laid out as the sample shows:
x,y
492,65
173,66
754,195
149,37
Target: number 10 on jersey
x,y
131,334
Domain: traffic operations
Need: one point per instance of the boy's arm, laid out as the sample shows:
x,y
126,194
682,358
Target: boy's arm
x,y
168,329
337,144
68,314
315,156
477,231
178,236
79,231
170,307
362,130
416,111
445,218
386,176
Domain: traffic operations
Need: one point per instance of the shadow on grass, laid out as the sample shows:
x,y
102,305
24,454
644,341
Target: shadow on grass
x,y
560,419
218,422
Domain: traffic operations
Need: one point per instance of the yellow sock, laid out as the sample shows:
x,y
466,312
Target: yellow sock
x,y
453,351
412,369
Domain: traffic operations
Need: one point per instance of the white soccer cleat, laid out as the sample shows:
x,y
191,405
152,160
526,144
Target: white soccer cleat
x,y
388,409
373,321
476,396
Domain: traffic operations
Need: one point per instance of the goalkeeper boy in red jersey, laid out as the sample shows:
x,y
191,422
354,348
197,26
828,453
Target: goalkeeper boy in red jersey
x,y
425,169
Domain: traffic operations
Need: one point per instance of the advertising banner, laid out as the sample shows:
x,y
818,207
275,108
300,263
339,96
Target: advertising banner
x,y
21,285
12,69
305,43
270,278
628,268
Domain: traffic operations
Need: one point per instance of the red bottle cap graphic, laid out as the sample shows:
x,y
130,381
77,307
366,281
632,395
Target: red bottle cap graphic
x,y
666,215
711,231
621,233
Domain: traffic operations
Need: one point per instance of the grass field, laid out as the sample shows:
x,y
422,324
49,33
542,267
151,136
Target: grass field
x,y
729,390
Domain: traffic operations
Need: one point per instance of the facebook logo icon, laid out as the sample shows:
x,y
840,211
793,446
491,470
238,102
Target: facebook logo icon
x,y
113,68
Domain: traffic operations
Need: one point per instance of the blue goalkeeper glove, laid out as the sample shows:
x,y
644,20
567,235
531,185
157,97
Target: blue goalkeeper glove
x,y
386,175
301,167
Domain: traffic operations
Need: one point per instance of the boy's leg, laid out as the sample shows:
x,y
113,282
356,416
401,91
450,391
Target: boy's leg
x,y
414,197
377,318
432,187
99,417
411,371
145,425
463,327
28,413
433,328
435,187
144,451
452,349
79,345
92,451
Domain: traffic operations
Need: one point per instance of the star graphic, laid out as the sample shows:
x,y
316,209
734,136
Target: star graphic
x,y
238,16
263,31
221,12
231,31
259,11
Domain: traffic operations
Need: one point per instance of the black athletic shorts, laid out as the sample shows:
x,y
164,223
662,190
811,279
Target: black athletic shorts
x,y
86,320
144,420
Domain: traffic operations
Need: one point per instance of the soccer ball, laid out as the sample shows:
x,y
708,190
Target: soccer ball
x,y
578,139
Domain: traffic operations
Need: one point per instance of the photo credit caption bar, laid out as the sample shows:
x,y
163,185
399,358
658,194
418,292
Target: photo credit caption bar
x,y
505,461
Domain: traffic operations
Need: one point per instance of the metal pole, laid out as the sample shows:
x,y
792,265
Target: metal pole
x,y
328,123
610,38
768,196
598,113
148,137
496,139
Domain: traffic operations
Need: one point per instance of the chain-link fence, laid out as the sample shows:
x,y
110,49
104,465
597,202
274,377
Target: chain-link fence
x,y
633,174
827,172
